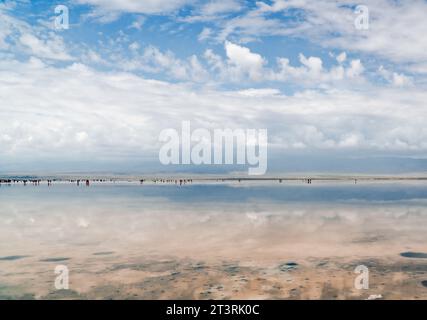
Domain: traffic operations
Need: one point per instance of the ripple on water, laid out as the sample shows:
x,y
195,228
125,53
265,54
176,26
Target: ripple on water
x,y
55,259
11,258
419,255
103,253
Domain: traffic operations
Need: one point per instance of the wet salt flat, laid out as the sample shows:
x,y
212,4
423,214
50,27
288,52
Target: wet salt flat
x,y
214,240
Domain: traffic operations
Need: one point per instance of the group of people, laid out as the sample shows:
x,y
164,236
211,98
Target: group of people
x,y
35,182
176,181
78,182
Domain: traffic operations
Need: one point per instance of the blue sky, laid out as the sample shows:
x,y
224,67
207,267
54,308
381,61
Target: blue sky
x,y
96,95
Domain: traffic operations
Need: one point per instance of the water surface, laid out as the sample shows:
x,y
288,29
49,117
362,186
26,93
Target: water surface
x,y
126,240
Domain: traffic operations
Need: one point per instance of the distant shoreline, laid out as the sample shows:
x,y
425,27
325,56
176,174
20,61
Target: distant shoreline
x,y
8,179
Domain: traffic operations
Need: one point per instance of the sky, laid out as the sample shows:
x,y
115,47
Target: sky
x,y
96,95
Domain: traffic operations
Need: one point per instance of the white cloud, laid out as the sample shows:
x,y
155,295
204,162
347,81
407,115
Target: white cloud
x,y
244,62
92,57
76,110
356,69
196,70
396,79
214,61
243,65
212,10
240,65
81,136
134,46
205,34
312,71
145,6
155,61
259,93
50,48
314,64
138,23
17,36
396,31
341,57
401,80
215,7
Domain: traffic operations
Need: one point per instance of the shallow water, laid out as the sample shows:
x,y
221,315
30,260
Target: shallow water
x,y
119,233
